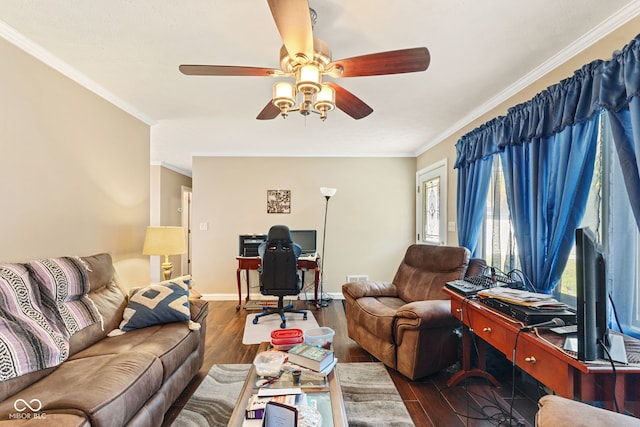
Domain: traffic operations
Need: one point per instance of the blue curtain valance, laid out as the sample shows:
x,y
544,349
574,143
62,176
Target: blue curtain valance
x,y
598,85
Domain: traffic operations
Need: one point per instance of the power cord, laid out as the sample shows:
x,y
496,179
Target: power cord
x,y
513,376
613,368
501,418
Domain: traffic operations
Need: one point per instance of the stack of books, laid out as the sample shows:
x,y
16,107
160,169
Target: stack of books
x,y
310,357
257,404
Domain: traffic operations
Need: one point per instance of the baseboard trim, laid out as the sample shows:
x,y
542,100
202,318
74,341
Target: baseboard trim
x,y
257,296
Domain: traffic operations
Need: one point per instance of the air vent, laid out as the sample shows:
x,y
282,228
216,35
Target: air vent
x,y
357,278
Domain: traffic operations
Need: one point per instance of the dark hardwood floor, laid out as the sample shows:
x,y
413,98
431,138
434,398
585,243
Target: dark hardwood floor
x,y
429,401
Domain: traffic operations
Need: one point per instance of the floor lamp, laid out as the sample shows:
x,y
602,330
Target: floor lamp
x,y
327,193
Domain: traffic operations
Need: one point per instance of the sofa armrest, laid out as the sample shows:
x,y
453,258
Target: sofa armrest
x,y
199,310
369,288
558,411
429,314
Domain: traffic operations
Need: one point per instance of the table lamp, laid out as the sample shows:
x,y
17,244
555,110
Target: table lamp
x,y
165,241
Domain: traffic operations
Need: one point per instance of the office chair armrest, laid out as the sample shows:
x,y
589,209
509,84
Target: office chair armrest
x,y
369,288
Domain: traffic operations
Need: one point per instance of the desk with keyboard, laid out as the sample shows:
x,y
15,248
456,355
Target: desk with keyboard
x,y
253,263
541,355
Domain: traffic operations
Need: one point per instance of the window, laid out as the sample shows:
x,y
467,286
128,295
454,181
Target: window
x,y
608,214
497,240
431,202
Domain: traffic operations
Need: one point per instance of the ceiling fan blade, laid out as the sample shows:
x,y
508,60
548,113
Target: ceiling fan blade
x,y
381,63
349,103
269,112
226,70
293,20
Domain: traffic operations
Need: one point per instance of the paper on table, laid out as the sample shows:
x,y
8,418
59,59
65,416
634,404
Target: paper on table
x,y
516,296
279,391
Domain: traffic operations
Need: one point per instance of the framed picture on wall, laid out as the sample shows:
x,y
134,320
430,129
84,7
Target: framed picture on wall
x,y
279,201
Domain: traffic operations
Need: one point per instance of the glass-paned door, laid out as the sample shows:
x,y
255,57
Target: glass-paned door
x,y
431,203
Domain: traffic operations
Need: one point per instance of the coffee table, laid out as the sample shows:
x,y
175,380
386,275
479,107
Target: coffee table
x,y
328,397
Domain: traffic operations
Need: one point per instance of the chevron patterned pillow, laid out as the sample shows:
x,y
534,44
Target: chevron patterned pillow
x,y
164,302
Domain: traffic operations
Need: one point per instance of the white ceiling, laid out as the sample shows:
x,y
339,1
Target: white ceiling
x,y
129,50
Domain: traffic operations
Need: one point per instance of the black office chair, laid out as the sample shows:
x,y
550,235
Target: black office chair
x,y
279,272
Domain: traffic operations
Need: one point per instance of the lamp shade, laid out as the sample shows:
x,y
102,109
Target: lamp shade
x,y
164,241
283,94
328,192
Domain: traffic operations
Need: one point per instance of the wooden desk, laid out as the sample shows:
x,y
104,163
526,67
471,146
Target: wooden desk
x,y
540,355
253,263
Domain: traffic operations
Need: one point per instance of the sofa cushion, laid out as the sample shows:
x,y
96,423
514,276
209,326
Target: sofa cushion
x,y
171,343
31,336
51,419
65,280
106,296
160,303
425,269
377,315
109,389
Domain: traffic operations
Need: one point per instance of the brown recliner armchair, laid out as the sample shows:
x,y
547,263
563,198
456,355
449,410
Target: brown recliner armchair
x,y
407,324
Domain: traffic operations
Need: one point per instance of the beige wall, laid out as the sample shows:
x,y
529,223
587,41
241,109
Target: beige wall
x,y
74,170
170,185
370,220
446,149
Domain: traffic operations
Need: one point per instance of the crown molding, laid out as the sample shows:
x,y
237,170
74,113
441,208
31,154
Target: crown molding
x,y
35,50
614,22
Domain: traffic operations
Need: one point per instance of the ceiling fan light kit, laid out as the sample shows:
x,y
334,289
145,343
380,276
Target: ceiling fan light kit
x,y
307,60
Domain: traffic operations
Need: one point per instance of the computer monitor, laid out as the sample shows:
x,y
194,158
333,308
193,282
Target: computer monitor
x,y
306,239
592,297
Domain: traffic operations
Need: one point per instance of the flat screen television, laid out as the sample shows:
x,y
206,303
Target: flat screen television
x,y
306,239
592,296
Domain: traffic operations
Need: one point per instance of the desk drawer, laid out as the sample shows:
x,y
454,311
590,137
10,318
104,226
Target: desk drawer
x,y
547,368
490,331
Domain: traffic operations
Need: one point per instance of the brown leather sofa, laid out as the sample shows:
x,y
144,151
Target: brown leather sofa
x,y
126,380
407,323
555,411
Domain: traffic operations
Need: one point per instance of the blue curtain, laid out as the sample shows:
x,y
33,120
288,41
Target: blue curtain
x,y
474,160
625,127
620,87
548,146
557,171
473,184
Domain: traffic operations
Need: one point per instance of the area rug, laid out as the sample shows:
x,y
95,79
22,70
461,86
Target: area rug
x,y
261,332
370,397
213,401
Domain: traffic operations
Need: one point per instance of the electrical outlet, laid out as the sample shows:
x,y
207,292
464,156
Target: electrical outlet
x,y
204,226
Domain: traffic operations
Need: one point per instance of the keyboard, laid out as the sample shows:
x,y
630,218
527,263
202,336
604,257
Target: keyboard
x,y
308,255
474,284
464,288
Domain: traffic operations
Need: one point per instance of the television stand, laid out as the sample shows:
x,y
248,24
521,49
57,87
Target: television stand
x,y
616,348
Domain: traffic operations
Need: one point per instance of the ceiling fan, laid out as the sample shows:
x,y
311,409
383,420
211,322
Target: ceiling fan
x,y
307,60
